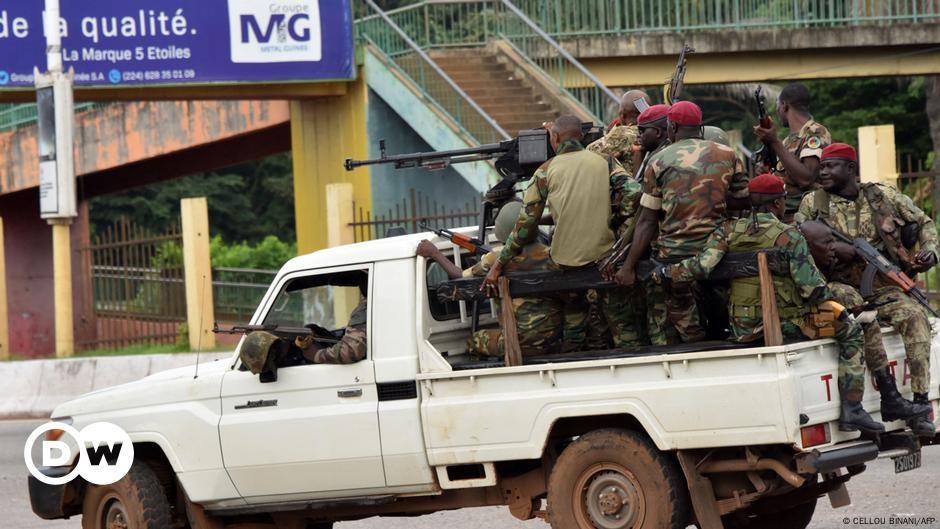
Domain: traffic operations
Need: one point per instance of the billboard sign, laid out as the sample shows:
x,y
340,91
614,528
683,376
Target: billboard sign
x,y
113,43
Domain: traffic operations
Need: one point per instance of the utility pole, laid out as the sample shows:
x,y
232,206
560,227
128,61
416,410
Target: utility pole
x,y
57,202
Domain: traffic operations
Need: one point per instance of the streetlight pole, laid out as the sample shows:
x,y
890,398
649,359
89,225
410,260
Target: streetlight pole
x,y
57,202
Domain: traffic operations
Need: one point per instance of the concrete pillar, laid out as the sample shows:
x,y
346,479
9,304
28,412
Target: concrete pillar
x,y
324,132
339,213
62,280
197,265
877,157
4,329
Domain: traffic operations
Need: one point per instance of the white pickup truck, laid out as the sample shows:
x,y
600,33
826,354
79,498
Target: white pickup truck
x,y
712,434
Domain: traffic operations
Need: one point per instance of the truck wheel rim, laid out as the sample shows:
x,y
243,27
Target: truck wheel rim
x,y
608,496
115,515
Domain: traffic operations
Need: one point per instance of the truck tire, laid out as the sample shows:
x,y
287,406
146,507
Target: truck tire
x,y
796,517
318,525
616,479
136,501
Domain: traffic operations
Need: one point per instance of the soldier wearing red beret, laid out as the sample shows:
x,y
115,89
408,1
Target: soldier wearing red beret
x,y
687,188
881,215
798,155
799,291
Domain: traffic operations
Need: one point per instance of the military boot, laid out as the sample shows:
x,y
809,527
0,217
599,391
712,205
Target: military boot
x,y
854,418
893,405
922,425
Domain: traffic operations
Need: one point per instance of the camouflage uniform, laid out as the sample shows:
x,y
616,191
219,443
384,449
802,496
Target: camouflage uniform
x,y
875,356
582,232
807,142
876,215
538,319
352,347
795,292
689,182
618,142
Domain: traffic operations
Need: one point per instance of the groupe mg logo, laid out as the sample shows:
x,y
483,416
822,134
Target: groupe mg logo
x,y
105,452
263,31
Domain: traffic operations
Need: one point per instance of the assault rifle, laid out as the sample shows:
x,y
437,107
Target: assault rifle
x,y
285,333
673,89
472,244
876,263
765,154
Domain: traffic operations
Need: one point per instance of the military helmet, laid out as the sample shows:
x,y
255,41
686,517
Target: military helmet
x,y
255,351
506,220
716,135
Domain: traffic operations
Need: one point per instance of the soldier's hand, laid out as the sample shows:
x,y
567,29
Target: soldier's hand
x,y
661,274
490,285
626,277
426,248
924,260
767,136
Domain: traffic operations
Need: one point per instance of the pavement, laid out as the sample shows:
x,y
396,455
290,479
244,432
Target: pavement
x,y
880,497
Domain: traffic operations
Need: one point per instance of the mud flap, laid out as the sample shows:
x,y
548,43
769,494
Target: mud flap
x,y
700,490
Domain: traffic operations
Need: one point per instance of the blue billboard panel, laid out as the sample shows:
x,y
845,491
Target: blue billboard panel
x,y
160,42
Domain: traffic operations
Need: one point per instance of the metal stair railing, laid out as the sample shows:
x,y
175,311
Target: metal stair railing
x,y
541,50
16,115
439,89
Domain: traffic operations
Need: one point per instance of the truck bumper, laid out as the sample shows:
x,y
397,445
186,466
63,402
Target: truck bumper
x,y
830,460
50,502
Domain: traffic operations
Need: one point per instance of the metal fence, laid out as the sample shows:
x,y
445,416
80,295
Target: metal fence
x,y
237,291
16,115
138,289
415,209
923,186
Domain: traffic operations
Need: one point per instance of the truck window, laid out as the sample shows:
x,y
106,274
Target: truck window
x,y
434,276
326,300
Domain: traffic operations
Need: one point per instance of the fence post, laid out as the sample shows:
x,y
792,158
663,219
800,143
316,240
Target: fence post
x,y
876,155
339,213
4,322
197,270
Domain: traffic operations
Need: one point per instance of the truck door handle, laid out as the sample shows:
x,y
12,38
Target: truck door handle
x,y
347,393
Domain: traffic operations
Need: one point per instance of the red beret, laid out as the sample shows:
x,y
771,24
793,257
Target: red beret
x,y
653,113
685,113
839,151
767,184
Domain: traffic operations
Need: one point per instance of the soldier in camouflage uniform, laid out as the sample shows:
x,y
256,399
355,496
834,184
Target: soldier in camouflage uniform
x,y
690,183
802,290
799,153
571,185
351,348
620,140
538,319
879,214
827,253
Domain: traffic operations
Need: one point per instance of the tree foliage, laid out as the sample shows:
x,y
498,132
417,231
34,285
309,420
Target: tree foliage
x,y
246,202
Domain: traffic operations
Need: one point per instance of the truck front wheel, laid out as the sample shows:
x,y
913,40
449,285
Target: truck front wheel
x,y
616,479
136,501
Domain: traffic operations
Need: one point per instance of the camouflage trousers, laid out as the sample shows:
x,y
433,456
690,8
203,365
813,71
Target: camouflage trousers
x,y
597,319
851,343
875,356
674,313
910,320
538,323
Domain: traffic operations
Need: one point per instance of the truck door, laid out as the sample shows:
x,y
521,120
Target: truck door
x,y
314,431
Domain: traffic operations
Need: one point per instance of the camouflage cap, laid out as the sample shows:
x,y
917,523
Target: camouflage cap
x,y
255,349
506,220
716,135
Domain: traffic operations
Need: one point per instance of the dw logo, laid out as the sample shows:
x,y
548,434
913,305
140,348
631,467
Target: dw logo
x,y
106,455
274,30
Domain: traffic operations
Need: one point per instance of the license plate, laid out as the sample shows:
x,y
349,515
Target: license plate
x,y
906,462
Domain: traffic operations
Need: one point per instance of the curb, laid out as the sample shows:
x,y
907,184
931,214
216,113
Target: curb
x,y
35,387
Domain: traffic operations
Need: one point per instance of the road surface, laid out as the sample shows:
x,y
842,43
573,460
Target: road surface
x,y
878,495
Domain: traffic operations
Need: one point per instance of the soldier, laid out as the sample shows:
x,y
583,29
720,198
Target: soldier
x,y
802,290
651,126
351,348
881,215
827,253
539,319
572,184
620,139
690,184
798,155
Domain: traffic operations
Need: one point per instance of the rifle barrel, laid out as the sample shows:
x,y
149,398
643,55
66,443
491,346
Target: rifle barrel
x,y
463,155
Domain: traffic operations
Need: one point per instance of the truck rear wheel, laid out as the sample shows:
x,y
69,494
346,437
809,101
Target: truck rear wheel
x,y
136,501
616,479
